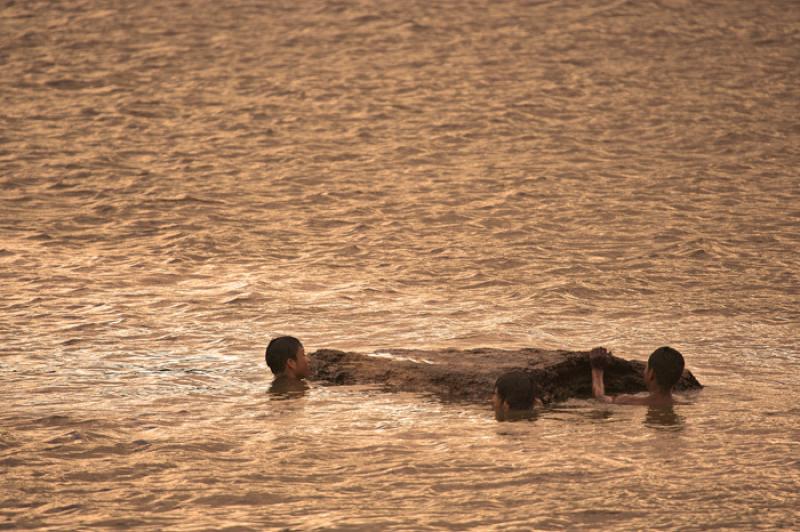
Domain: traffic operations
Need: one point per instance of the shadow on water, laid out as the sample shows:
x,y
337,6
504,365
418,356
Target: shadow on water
x,y
513,416
664,418
286,388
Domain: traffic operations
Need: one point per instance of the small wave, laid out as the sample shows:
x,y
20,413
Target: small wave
x,y
246,299
72,84
188,198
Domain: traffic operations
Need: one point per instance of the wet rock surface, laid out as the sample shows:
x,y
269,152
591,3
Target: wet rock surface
x,y
469,375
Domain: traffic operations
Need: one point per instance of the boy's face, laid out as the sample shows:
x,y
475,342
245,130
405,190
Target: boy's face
x,y
500,407
299,365
649,376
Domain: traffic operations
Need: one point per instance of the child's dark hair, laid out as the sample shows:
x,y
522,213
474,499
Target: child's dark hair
x,y
516,388
279,350
667,365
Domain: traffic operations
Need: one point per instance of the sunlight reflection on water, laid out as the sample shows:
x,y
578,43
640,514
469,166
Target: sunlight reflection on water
x,y
180,184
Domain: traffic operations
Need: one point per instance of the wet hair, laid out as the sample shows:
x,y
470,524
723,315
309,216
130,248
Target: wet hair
x,y
516,388
667,365
279,351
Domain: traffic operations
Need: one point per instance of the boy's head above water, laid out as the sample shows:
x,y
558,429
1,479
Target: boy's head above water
x,y
286,356
664,369
513,396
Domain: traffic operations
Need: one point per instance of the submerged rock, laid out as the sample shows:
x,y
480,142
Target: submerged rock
x,y
469,375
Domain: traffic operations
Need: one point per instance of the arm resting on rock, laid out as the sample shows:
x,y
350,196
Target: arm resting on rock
x,y
598,388
599,358
599,392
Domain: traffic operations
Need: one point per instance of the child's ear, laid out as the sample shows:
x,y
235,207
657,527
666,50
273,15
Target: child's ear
x,y
506,407
291,364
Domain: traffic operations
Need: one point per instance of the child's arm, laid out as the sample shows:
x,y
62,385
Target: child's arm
x,y
598,358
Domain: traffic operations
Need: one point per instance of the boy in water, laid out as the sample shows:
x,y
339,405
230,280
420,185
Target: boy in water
x,y
513,396
664,369
287,359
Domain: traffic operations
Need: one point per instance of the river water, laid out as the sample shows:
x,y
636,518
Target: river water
x,y
182,180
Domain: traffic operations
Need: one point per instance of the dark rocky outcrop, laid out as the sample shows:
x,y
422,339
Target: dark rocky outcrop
x,y
469,375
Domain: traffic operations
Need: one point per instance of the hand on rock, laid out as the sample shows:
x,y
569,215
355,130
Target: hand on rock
x,y
599,358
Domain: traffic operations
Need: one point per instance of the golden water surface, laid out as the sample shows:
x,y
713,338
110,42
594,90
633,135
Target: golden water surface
x,y
182,180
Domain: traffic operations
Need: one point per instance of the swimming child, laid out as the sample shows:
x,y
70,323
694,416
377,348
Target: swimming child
x,y
664,369
287,359
513,396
